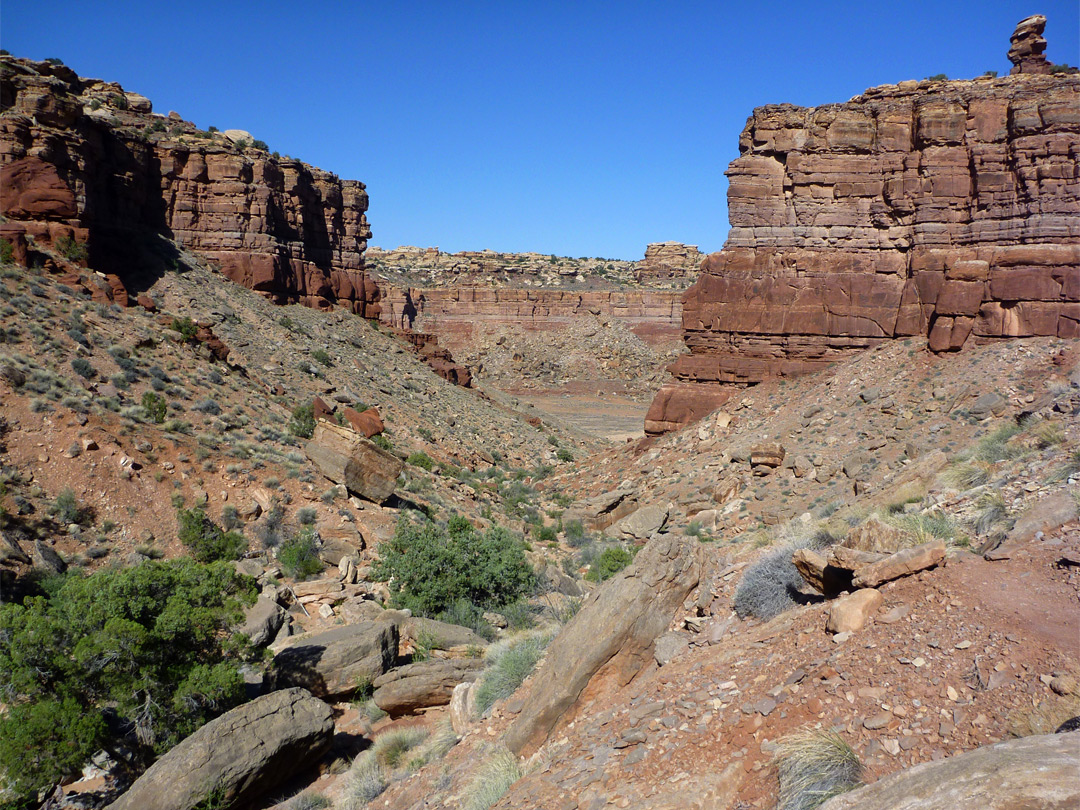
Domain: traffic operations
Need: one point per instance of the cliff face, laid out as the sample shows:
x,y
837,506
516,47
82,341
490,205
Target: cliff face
x,y
85,160
942,209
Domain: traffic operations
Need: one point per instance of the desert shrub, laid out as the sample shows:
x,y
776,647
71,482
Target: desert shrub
x,y
308,801
429,567
155,406
7,251
382,441
390,747
298,556
364,781
610,562
812,767
149,645
769,586
66,508
508,666
519,615
208,406
465,614
302,423
575,533
321,356
499,770
83,368
306,515
546,534
562,454
186,327
207,541
71,250
421,460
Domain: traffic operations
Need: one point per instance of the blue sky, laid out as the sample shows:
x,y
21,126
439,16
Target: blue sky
x,y
574,128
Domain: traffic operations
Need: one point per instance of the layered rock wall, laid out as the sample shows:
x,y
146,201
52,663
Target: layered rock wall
x,y
454,313
945,209
92,163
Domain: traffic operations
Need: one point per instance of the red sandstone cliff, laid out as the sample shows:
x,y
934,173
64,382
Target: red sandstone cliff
x,y
83,159
945,209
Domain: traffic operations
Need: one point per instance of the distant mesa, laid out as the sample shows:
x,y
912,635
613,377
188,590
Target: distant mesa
x,y
943,210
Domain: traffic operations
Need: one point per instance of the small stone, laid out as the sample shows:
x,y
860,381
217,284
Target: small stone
x,y
840,638
919,662
952,694
963,645
879,720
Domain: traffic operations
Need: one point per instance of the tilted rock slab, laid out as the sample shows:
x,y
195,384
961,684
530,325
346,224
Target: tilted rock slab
x,y
334,663
1032,773
612,636
241,754
941,209
345,458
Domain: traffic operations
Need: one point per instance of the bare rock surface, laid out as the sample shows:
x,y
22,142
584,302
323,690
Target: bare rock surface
x,y
614,632
423,684
331,664
345,458
237,757
1033,773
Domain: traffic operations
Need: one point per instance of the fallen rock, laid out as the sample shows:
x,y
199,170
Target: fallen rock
x,y
811,566
611,638
11,551
642,524
367,422
600,511
669,647
1047,515
850,613
900,564
462,705
873,535
237,757
262,621
443,634
343,457
406,689
333,663
1032,773
766,457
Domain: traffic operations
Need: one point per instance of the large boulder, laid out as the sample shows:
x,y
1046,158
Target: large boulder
x,y
423,684
345,458
612,637
642,524
1032,773
262,621
332,664
237,757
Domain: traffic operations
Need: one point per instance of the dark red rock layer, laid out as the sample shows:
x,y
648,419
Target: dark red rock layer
x,y
83,159
949,210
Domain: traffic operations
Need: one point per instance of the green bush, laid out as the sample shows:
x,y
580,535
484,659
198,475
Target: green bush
x,y
298,556
546,534
562,454
83,368
155,406
186,327
302,423
575,533
382,441
146,646
207,541
70,249
421,460
7,251
66,508
610,562
429,568
321,356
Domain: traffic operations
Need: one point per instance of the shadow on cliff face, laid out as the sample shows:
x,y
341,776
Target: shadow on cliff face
x,y
124,209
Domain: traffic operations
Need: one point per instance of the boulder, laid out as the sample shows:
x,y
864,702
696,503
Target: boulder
x,y
811,566
343,457
670,646
611,638
237,757
850,613
262,621
462,703
1032,773
46,559
769,455
11,551
900,564
444,634
642,524
333,663
367,422
873,535
426,683
600,511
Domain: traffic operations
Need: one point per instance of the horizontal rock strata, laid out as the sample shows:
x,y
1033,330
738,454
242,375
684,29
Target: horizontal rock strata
x,y
944,209
93,163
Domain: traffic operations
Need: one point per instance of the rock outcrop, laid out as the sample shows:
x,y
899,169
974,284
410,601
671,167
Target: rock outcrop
x,y
83,160
611,638
1032,773
1027,46
237,757
669,260
944,209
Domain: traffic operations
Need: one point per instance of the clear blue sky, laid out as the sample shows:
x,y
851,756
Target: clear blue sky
x,y
575,128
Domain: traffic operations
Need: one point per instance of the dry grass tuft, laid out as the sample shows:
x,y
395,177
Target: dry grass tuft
x,y
813,766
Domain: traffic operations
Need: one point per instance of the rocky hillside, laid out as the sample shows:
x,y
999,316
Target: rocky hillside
x,y
940,209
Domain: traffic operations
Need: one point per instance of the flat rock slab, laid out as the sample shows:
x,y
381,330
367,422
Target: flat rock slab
x,y
426,683
345,458
243,753
1032,773
900,564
